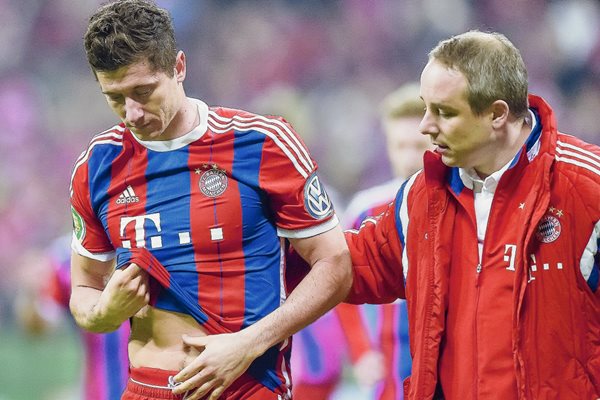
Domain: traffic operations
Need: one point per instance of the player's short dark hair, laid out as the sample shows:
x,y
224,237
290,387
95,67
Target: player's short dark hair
x,y
492,65
124,32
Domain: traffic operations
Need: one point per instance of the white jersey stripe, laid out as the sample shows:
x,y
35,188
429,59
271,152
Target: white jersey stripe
x,y
290,138
578,163
282,272
277,126
85,155
579,149
285,372
272,121
102,136
305,173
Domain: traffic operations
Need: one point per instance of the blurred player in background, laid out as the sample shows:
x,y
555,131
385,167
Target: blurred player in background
x,y
323,348
401,113
381,354
43,304
181,216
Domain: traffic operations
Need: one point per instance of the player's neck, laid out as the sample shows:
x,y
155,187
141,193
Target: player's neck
x,y
184,121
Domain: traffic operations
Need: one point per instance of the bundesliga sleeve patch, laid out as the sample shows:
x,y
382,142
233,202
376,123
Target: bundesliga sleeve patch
x,y
78,225
316,200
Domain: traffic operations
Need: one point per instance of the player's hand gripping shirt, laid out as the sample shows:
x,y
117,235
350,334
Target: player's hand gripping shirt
x,y
210,207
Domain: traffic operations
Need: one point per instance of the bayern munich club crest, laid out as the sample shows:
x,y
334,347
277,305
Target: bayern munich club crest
x,y
213,182
548,229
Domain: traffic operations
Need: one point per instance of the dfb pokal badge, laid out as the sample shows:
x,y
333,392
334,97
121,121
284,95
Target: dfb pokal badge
x,y
548,229
78,224
213,182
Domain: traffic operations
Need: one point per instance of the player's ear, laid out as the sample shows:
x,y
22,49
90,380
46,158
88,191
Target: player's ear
x,y
180,66
499,112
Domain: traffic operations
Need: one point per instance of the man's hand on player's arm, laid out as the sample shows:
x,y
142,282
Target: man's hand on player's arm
x,y
103,298
224,358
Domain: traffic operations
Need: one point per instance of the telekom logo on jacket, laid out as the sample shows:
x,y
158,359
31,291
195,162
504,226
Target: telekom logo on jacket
x,y
510,252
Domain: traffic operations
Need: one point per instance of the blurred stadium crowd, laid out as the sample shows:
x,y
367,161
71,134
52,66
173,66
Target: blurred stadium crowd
x,y
323,65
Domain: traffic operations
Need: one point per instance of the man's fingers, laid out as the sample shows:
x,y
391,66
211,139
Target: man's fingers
x,y
202,391
196,341
133,270
187,373
188,380
217,393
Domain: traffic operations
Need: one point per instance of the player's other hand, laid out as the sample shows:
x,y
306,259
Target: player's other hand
x,y
126,292
223,358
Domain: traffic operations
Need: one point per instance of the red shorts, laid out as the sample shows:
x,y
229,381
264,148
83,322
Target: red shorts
x,y
153,384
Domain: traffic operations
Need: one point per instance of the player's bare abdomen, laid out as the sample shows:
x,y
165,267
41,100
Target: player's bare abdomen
x,y
156,342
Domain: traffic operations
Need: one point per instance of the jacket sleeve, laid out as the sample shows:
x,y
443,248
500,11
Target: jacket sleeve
x,y
377,260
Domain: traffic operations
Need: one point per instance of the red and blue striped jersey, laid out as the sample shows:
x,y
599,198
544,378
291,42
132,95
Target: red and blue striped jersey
x,y
213,207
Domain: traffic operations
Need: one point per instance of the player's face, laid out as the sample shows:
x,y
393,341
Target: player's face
x,y
405,145
147,101
462,138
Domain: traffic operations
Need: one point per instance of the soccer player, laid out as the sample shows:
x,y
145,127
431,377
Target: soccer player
x,y
181,217
105,365
401,113
494,244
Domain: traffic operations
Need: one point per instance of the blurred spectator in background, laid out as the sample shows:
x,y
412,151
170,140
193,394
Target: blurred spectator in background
x,y
331,59
401,113
44,303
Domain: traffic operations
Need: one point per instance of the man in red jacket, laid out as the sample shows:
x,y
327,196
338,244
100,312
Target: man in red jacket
x,y
494,244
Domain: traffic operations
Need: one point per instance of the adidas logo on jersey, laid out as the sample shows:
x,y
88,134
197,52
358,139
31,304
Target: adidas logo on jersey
x,y
128,196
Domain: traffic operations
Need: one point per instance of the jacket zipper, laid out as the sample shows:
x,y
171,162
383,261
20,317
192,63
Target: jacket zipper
x,y
475,364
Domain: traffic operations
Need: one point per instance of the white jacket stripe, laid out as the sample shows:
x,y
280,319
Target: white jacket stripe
x,y
404,220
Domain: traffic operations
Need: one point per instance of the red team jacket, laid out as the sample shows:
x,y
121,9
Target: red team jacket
x,y
536,285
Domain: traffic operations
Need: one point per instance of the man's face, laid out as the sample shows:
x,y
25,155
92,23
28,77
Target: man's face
x,y
144,99
405,145
462,138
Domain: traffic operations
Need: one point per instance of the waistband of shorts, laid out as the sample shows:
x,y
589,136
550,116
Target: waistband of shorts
x,y
152,382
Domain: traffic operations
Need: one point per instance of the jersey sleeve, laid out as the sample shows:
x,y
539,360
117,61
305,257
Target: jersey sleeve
x,y
89,237
376,253
301,205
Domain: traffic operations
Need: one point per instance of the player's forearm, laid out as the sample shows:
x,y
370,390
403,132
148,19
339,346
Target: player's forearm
x,y
87,312
326,285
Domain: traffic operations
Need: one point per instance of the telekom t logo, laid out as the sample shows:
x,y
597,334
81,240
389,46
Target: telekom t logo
x,y
140,233
510,252
156,241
